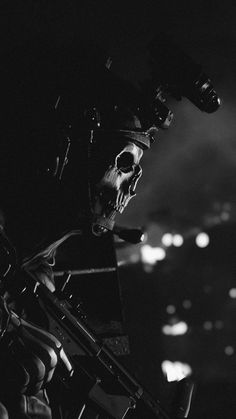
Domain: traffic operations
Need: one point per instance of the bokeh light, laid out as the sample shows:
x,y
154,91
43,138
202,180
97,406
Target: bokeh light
x,y
232,292
202,240
175,371
176,329
151,255
170,309
229,350
167,239
177,240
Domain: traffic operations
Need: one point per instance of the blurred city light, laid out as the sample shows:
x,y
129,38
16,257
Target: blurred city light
x,y
229,350
187,304
232,292
151,255
170,309
225,216
167,239
207,325
177,329
175,371
177,240
202,240
219,324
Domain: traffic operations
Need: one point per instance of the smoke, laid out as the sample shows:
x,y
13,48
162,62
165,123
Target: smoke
x,y
191,167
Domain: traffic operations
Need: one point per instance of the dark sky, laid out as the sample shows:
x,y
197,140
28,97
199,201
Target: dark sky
x,y
193,165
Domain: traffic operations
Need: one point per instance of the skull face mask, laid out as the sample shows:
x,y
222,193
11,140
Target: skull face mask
x,y
118,176
109,165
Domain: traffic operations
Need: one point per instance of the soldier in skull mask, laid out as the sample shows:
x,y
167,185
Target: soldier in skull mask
x,y
70,161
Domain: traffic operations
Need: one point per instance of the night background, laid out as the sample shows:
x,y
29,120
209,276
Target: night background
x,y
187,188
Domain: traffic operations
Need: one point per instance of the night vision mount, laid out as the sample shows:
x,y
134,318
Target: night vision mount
x,y
176,74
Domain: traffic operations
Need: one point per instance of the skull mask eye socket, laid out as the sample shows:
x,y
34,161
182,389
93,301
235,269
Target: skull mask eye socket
x,y
125,162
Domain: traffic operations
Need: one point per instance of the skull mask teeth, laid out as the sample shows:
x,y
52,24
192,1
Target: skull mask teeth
x,y
117,187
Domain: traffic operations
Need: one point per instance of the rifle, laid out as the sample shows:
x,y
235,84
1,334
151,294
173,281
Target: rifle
x,y
106,384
